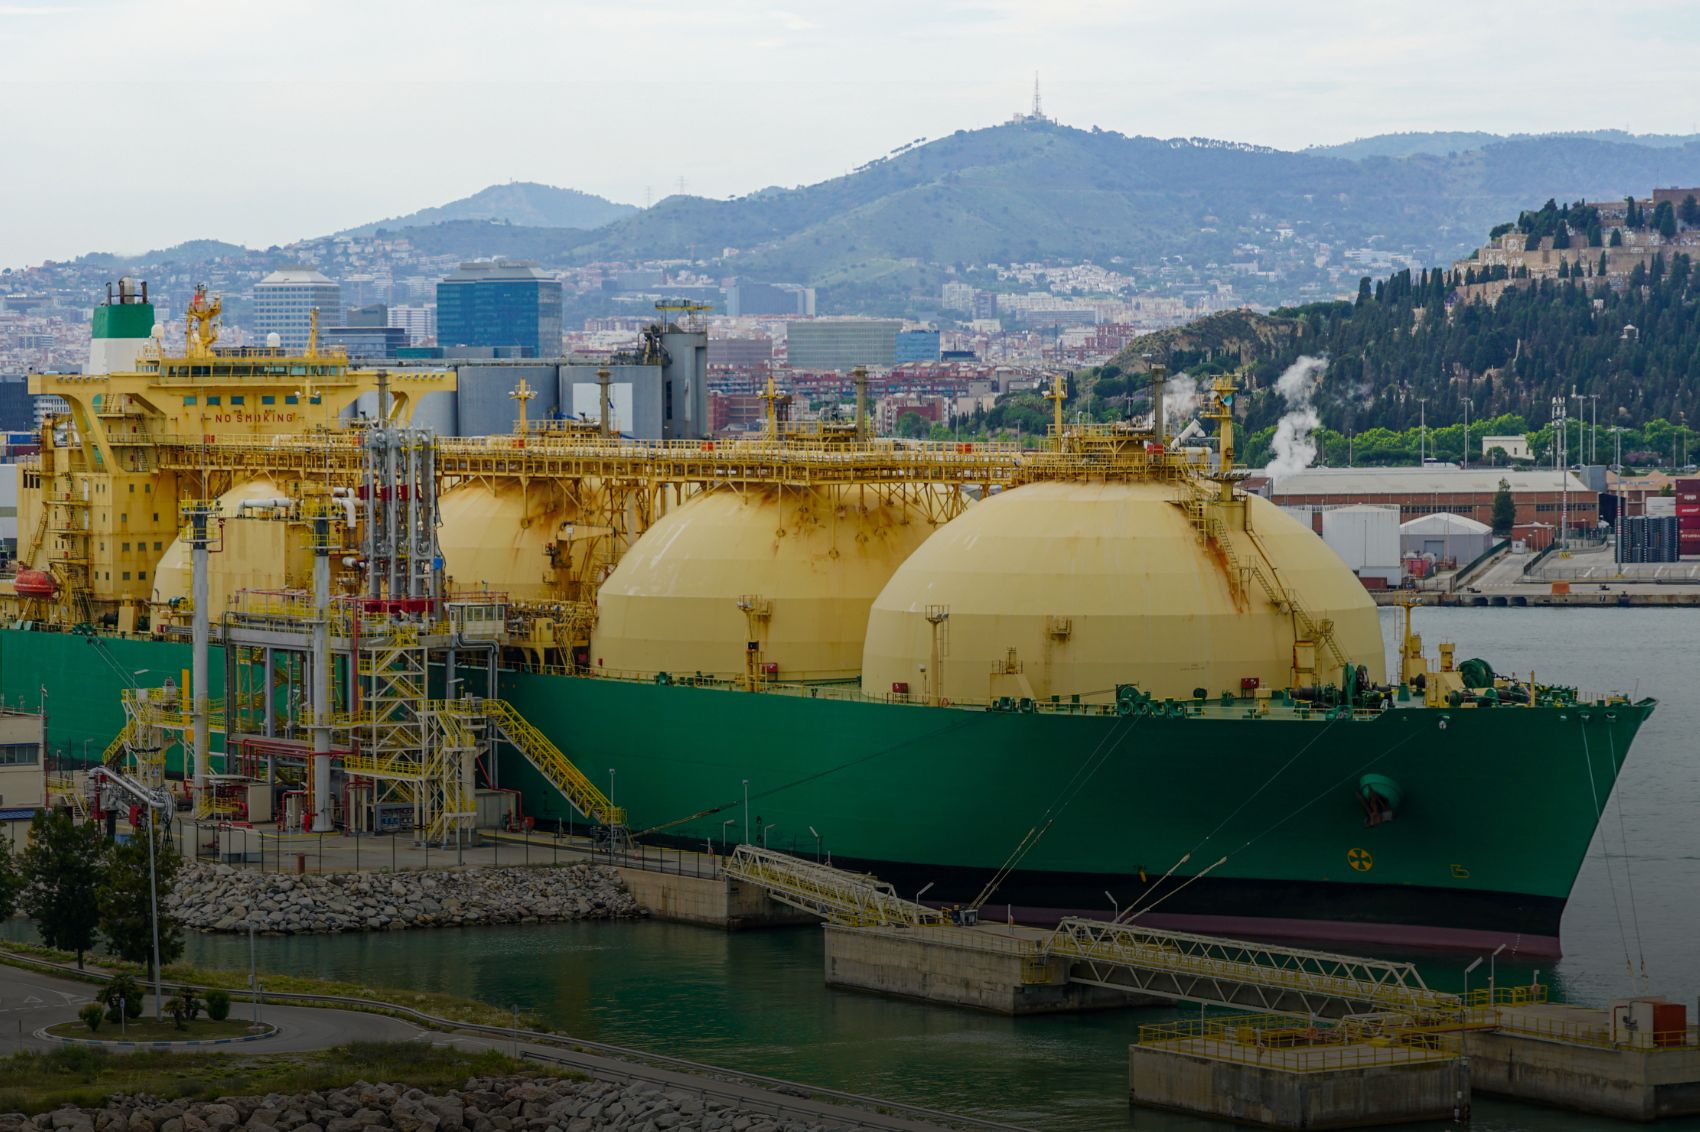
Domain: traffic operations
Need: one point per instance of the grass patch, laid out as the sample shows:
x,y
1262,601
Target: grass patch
x,y
236,981
150,1030
87,1075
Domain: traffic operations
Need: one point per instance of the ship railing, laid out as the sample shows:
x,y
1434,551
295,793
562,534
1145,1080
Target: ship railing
x,y
1293,1045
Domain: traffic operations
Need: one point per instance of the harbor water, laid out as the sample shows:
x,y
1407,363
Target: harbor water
x,y
756,1001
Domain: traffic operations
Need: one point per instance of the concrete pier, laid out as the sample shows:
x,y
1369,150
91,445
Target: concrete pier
x,y
1299,1087
993,968
1564,1056
711,901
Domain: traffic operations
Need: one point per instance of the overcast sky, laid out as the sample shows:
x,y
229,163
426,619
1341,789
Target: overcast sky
x,y
128,126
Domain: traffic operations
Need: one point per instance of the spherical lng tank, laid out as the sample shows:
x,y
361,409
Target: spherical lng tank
x,y
1065,589
256,551
510,538
792,571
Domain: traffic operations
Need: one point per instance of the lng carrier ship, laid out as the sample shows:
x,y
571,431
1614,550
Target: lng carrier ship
x,y
1012,677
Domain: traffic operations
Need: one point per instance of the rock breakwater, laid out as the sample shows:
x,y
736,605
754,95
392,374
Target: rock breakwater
x,y
483,1105
219,898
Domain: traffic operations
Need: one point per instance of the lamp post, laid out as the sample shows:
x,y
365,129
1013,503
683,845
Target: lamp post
x,y
1491,959
765,830
816,832
723,825
153,898
1422,431
923,891
1116,909
746,811
1467,971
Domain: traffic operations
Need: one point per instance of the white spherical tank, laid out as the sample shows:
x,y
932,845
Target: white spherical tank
x,y
1068,589
792,571
508,538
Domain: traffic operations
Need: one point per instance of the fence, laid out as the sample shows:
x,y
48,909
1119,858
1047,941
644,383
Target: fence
x,y
1283,1042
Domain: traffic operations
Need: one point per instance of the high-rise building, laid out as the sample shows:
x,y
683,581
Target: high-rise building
x,y
917,346
285,300
842,343
420,322
500,303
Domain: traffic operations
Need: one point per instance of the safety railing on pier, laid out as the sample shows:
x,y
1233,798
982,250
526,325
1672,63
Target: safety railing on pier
x,y
1254,976
1295,1047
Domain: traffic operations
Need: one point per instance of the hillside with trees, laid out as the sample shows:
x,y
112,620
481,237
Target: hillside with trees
x,y
1413,345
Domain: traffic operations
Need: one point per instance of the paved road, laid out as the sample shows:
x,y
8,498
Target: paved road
x,y
31,1001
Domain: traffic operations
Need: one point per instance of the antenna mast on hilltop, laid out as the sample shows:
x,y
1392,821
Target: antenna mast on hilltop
x,y
1038,104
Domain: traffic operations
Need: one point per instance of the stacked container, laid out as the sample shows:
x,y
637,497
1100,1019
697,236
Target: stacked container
x,y
1646,538
1688,516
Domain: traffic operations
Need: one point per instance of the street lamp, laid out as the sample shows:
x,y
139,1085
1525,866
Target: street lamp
x,y
746,811
1114,907
923,891
723,825
1491,959
765,830
816,832
1467,971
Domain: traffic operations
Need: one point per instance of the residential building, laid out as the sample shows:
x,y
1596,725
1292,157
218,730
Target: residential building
x,y
495,303
420,322
285,300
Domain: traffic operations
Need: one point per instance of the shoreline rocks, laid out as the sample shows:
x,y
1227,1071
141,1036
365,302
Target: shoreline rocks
x,y
219,898
482,1105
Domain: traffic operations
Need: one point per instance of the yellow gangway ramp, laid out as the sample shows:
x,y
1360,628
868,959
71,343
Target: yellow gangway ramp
x,y
835,895
552,764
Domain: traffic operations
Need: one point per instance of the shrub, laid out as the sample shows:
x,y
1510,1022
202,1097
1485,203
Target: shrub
x,y
218,1005
122,993
92,1013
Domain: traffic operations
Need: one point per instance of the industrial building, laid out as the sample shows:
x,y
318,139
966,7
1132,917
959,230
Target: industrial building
x,y
285,300
23,773
1366,537
659,392
1445,537
843,343
1542,496
500,303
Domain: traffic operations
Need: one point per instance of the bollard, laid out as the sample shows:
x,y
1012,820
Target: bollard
x,y
301,863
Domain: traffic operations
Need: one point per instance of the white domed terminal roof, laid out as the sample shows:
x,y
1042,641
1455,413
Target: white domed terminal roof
x,y
1442,523
1084,586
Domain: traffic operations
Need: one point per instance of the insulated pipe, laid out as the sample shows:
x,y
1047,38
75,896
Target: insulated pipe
x,y
266,504
199,633
320,708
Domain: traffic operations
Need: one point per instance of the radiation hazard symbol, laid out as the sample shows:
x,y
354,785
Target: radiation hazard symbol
x,y
1361,860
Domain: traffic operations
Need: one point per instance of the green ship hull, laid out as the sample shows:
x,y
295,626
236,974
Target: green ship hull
x,y
1226,822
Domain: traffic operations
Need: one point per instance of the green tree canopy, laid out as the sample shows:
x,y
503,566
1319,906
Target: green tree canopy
x,y
63,867
126,900
1504,510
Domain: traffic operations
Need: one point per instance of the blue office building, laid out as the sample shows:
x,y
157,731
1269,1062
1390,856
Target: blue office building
x,y
917,346
500,303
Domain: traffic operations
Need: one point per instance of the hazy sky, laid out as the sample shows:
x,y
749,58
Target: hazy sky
x,y
127,126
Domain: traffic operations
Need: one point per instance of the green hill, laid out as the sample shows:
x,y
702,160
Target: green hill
x,y
522,203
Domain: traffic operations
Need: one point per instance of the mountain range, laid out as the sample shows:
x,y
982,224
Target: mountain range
x,y
881,239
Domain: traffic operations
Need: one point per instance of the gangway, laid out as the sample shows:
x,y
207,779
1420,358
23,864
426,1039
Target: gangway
x,y
1214,971
141,793
1252,976
836,895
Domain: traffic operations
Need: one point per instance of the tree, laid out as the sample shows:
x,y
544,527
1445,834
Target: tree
x,y
62,870
1504,510
1689,213
122,997
1616,240
1664,219
10,883
218,1005
183,1007
911,424
127,899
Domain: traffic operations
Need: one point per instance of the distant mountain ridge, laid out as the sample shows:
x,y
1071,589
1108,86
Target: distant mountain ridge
x,y
1440,143
520,203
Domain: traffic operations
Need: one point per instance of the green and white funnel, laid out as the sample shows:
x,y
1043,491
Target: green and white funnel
x,y
122,326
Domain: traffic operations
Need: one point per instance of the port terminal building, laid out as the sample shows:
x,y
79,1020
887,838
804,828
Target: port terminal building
x,y
1543,497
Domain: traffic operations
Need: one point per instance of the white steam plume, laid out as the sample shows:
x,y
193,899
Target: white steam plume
x,y
1180,400
1294,444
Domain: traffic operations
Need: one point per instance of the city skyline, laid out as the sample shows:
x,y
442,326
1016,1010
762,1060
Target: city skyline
x,y
439,84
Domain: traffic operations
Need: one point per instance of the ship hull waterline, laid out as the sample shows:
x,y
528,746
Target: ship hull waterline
x,y
1499,805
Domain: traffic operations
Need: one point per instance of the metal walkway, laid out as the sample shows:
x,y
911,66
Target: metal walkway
x,y
1174,965
1251,976
835,895
548,760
